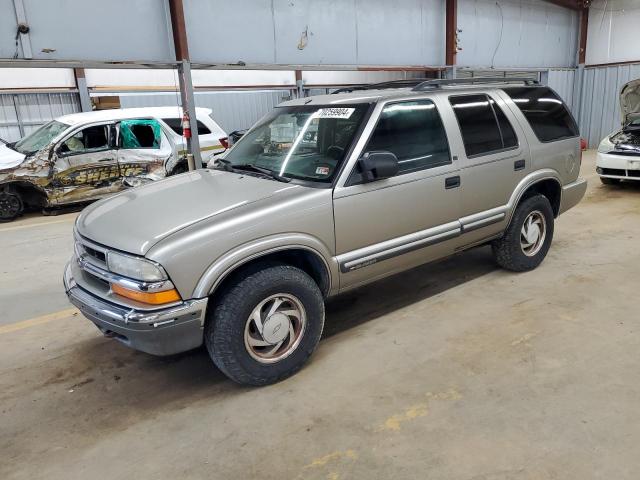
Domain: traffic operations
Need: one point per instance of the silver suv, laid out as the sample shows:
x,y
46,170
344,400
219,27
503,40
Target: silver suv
x,y
324,195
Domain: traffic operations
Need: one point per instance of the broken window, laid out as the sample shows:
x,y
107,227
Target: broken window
x,y
90,139
139,134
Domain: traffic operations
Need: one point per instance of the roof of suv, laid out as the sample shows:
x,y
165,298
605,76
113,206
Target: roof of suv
x,y
373,95
123,113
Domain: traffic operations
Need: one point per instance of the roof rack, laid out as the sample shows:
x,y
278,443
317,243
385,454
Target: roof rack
x,y
405,83
438,83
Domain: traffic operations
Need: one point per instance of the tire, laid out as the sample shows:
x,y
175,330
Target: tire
x,y
513,251
181,167
11,206
610,181
233,340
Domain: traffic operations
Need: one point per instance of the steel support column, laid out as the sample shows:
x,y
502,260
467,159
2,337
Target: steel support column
x,y
451,32
176,10
83,91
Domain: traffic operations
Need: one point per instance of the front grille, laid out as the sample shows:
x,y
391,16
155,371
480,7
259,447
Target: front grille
x,y
634,173
101,256
614,171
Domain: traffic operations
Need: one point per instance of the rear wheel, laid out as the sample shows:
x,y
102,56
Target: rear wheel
x,y
610,181
528,237
266,325
11,206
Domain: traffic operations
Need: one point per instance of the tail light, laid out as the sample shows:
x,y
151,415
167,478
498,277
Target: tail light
x,y
224,141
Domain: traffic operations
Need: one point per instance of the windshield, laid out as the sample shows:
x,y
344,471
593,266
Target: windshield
x,y
304,142
40,138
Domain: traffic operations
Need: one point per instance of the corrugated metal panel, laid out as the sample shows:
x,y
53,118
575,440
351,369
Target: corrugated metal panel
x,y
9,129
600,104
233,110
516,33
562,81
22,113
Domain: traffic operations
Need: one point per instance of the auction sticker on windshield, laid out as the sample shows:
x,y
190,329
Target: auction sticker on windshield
x,y
335,112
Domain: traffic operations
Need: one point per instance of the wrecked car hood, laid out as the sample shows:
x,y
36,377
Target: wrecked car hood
x,y
630,101
135,220
9,158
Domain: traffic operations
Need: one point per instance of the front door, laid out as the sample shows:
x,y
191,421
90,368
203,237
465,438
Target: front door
x,y
393,224
143,150
86,165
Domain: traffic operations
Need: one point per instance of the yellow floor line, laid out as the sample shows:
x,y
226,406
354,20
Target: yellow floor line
x,y
32,322
40,224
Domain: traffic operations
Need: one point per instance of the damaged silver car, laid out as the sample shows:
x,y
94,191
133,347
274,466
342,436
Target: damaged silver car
x,y
619,153
81,157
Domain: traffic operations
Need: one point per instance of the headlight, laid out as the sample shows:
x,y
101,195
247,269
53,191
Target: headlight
x,y
605,145
135,267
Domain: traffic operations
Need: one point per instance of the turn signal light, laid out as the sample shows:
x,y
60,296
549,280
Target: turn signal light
x,y
153,298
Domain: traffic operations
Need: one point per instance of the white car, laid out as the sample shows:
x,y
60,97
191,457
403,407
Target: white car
x,y
619,153
85,156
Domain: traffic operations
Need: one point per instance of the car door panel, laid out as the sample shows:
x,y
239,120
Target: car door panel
x,y
489,179
85,165
390,225
142,157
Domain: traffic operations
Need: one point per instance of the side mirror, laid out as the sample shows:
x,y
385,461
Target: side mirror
x,y
378,165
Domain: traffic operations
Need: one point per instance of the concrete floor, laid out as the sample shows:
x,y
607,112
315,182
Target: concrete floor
x,y
457,370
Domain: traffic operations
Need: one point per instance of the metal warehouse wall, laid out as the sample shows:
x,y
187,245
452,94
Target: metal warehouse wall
x,y
22,113
600,105
231,110
562,82
516,33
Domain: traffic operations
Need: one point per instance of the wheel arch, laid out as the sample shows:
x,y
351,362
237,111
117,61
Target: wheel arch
x,y
31,195
545,182
309,255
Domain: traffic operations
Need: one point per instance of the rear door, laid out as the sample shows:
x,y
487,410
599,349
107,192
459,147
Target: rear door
x,y
143,150
494,157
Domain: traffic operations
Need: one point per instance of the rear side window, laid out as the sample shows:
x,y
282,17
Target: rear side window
x,y
485,128
546,113
413,131
175,124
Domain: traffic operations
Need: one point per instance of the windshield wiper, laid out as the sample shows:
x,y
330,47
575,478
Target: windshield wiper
x,y
229,167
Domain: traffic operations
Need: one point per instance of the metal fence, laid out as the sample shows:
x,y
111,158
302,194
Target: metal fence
x,y
22,113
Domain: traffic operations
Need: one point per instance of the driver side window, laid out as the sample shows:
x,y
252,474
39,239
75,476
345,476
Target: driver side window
x,y
414,133
90,139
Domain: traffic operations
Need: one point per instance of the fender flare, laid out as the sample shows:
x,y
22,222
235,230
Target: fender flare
x,y
528,181
226,263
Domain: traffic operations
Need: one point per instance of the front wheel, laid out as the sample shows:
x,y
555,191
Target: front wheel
x,y
266,325
528,237
11,206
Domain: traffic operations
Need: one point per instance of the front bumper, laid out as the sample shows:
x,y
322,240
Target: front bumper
x,y
572,193
159,332
623,167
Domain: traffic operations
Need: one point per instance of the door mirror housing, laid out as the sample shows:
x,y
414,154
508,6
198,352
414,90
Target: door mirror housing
x,y
378,165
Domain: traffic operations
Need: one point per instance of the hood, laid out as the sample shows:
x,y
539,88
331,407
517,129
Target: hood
x,y
135,220
9,158
630,101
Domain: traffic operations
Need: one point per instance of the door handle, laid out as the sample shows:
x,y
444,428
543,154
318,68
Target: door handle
x,y
519,165
452,182
105,160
